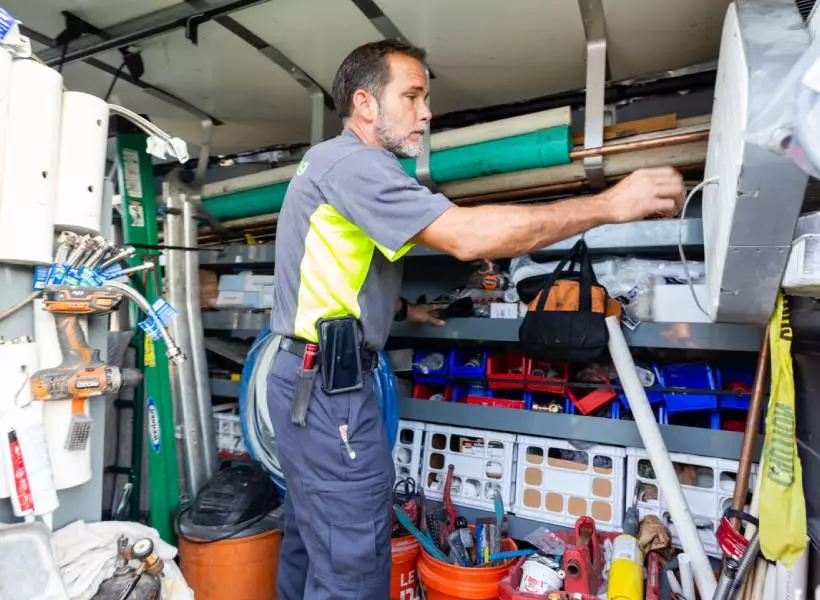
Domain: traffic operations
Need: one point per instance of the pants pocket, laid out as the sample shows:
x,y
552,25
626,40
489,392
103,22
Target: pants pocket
x,y
353,549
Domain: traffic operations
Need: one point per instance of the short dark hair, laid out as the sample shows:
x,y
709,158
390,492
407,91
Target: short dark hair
x,y
367,68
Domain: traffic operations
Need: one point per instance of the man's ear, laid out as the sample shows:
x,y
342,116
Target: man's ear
x,y
365,105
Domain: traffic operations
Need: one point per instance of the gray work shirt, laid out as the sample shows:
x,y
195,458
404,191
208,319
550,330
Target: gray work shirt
x,y
348,216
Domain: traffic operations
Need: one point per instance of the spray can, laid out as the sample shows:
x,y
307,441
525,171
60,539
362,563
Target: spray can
x,y
22,501
626,571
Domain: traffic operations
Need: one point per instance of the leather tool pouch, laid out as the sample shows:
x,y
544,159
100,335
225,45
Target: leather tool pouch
x,y
340,354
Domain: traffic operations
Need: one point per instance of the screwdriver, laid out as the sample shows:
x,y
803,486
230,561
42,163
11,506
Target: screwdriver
x,y
632,518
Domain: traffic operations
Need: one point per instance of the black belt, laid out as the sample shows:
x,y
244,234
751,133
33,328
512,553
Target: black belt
x,y
297,348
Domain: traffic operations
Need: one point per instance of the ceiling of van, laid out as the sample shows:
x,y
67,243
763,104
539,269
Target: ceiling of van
x,y
481,53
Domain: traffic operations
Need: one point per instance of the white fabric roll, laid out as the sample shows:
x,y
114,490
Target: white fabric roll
x,y
83,139
70,468
29,180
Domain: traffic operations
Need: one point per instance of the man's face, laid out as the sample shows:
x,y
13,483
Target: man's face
x,y
403,111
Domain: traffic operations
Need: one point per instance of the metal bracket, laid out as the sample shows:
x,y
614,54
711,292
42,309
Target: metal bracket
x,y
192,28
592,13
195,196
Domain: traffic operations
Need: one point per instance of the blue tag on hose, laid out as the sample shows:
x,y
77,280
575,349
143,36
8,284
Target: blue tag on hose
x,y
112,271
164,311
6,22
41,276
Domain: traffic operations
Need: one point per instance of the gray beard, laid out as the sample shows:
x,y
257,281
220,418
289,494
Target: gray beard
x,y
401,147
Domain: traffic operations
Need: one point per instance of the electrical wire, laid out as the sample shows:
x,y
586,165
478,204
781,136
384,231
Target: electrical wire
x,y
689,197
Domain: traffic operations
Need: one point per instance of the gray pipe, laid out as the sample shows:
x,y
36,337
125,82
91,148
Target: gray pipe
x,y
197,333
192,434
749,558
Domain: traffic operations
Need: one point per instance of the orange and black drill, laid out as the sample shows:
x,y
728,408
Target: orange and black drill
x,y
82,374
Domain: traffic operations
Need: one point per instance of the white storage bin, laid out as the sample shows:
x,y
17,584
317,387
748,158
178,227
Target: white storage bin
x,y
228,430
557,482
707,483
408,449
483,461
802,277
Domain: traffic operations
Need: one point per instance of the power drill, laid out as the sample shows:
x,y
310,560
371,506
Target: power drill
x,y
82,374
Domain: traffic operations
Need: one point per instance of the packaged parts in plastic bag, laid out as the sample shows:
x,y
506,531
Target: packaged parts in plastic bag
x,y
789,123
547,542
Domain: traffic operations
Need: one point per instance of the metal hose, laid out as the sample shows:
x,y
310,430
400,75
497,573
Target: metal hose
x,y
173,353
749,558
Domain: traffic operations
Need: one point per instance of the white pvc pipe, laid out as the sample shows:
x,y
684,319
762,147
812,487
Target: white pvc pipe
x,y
687,581
503,128
792,581
659,457
770,587
674,584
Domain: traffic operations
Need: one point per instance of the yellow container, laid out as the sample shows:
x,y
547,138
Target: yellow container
x,y
626,572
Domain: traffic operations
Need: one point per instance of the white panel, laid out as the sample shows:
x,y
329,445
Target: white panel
x,y
29,166
494,52
650,36
224,76
5,90
724,157
315,34
83,139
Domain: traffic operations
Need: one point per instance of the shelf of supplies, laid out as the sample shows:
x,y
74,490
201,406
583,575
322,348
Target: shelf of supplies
x,y
689,440
224,388
518,528
694,336
239,255
241,323
641,237
691,336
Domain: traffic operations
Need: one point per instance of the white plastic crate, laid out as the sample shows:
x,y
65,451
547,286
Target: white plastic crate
x,y
228,430
483,461
557,482
802,276
707,483
407,451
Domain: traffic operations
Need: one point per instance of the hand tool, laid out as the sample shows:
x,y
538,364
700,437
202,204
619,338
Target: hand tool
x,y
511,554
498,503
458,552
423,539
404,494
81,375
450,512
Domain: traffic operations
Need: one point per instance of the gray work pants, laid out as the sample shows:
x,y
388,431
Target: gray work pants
x,y
338,510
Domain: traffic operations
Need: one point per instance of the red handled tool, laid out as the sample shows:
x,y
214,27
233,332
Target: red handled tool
x,y
582,563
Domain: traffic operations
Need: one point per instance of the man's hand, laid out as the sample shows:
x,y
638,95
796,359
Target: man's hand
x,y
423,313
646,193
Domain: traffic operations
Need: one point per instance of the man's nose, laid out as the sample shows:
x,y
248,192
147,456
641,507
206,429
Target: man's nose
x,y
424,114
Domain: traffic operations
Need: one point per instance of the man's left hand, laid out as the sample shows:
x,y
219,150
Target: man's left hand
x,y
423,313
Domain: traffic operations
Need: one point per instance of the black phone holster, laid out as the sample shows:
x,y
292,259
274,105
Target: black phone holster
x,y
340,354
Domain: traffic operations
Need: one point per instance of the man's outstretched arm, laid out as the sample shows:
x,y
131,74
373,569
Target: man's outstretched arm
x,y
503,231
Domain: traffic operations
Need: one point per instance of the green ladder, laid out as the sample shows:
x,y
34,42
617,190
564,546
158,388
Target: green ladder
x,y
153,401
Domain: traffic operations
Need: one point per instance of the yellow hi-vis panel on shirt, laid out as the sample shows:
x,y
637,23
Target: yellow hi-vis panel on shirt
x,y
782,504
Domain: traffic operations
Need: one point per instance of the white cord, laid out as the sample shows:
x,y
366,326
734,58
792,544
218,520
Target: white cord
x,y
694,191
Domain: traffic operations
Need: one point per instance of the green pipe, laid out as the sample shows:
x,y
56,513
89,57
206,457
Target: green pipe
x,y
544,148
248,203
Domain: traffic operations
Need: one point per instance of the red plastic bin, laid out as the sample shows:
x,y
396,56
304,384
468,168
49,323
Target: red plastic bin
x,y
507,370
508,588
502,402
423,391
547,385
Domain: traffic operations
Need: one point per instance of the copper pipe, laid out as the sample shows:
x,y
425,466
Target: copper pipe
x,y
660,142
752,431
543,190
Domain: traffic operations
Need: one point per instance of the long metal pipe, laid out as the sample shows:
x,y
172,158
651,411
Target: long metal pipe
x,y
752,431
197,339
649,144
185,388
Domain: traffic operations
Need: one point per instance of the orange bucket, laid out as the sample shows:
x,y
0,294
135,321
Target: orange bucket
x,y
444,581
403,572
240,569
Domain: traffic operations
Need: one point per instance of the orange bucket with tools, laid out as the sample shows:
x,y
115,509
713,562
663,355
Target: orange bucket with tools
x,y
445,581
403,573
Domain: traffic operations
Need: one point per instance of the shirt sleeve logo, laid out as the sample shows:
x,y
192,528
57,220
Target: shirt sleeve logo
x,y
303,166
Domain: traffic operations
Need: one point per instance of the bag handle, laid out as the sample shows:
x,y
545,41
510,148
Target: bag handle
x,y
587,278
575,255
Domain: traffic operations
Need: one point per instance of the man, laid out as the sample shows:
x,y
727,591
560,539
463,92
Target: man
x,y
350,214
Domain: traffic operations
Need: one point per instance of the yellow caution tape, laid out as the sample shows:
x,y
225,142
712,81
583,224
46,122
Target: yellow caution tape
x,y
149,356
782,504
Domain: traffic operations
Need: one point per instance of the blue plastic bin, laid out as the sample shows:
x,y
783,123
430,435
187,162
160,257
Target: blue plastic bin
x,y
688,375
434,377
734,374
653,397
458,356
